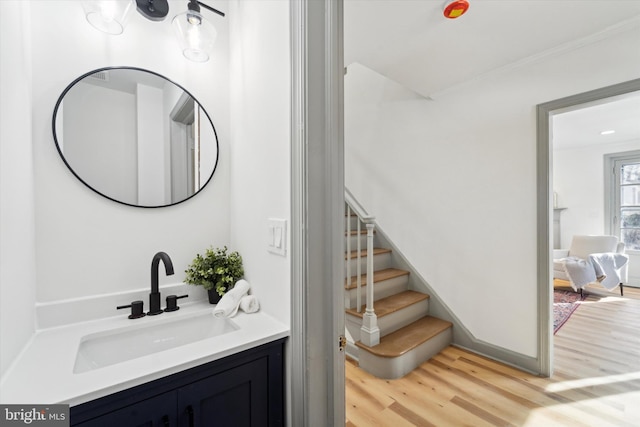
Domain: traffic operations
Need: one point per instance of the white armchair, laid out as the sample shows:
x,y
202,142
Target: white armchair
x,y
584,246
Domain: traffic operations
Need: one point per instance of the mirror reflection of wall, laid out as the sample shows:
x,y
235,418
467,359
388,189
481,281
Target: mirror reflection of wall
x,y
136,137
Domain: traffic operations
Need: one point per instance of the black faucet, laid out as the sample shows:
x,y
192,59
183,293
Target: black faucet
x,y
154,296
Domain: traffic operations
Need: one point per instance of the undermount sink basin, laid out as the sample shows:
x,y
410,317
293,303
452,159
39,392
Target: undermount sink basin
x,y
110,347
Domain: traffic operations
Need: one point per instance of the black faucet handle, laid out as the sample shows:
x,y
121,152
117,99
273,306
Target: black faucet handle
x,y
172,302
137,309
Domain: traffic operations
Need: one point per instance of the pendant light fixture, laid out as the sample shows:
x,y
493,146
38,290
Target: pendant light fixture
x,y
195,34
108,16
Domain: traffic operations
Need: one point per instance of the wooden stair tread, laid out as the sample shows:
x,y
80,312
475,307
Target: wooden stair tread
x,y
391,304
363,253
405,339
378,276
362,232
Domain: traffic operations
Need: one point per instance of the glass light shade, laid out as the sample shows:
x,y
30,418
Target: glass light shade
x,y
108,16
196,40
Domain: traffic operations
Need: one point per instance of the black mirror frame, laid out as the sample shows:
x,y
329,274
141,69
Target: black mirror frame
x,y
55,138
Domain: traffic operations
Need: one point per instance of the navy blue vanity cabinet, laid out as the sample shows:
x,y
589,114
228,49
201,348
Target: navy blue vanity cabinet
x,y
158,411
237,397
245,389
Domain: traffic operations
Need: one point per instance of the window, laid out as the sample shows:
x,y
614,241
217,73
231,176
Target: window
x,y
623,198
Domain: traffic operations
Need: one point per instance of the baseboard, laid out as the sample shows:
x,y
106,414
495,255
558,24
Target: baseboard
x,y
634,282
462,337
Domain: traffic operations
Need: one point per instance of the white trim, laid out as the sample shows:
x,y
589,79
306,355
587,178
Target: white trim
x,y
334,176
612,163
357,208
298,396
545,191
317,214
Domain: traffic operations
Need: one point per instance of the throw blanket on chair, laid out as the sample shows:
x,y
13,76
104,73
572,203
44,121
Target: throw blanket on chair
x,y
603,268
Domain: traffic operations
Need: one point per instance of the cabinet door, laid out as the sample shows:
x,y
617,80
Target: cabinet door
x,y
238,397
159,411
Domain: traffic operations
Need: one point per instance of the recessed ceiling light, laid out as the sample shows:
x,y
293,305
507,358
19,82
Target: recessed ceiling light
x,y
607,132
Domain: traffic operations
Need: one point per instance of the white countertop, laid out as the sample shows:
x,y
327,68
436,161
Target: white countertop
x,y
43,373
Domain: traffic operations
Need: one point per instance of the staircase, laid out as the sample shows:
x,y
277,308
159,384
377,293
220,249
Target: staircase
x,y
392,333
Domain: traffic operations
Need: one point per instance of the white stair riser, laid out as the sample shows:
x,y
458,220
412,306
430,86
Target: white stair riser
x,y
352,350
354,223
380,262
382,289
353,241
401,318
352,325
391,322
396,367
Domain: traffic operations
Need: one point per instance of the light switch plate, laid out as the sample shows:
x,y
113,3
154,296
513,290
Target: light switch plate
x,y
277,236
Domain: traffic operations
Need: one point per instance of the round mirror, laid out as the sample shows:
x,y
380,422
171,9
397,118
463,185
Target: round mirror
x,y
135,137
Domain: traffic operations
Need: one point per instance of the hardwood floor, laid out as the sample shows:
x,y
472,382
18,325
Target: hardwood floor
x,y
596,380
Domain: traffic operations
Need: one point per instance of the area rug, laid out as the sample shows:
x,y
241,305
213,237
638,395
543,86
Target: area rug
x,y
564,304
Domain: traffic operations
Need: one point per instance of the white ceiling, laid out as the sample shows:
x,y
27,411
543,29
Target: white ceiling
x,y
583,127
412,43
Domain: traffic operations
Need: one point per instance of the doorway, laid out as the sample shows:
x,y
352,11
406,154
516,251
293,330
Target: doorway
x,y
545,114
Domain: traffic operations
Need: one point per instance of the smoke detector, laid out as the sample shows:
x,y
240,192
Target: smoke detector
x,y
455,9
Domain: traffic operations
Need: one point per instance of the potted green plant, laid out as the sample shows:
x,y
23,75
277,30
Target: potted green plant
x,y
217,271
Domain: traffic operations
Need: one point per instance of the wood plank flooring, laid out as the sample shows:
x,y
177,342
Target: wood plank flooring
x,y
596,380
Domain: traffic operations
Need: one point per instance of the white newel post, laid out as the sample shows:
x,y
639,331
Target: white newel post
x,y
369,333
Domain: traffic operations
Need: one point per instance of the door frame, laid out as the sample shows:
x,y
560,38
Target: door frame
x,y
316,376
545,113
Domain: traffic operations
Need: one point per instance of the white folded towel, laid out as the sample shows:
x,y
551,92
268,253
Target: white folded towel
x,y
228,304
249,304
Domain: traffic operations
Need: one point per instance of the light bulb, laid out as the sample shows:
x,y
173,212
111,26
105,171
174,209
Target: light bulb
x,y
108,11
195,34
108,16
194,19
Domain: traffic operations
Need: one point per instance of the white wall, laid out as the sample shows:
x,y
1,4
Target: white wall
x,y
453,181
578,178
260,154
80,244
111,122
17,231
151,155
86,244
207,149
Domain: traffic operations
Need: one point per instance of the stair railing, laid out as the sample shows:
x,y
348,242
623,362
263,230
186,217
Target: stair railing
x,y
370,333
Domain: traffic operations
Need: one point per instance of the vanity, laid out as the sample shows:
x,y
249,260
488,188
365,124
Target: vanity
x,y
233,376
245,389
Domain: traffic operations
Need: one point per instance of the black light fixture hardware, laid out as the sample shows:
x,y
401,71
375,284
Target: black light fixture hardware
x,y
214,10
196,35
154,10
157,10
